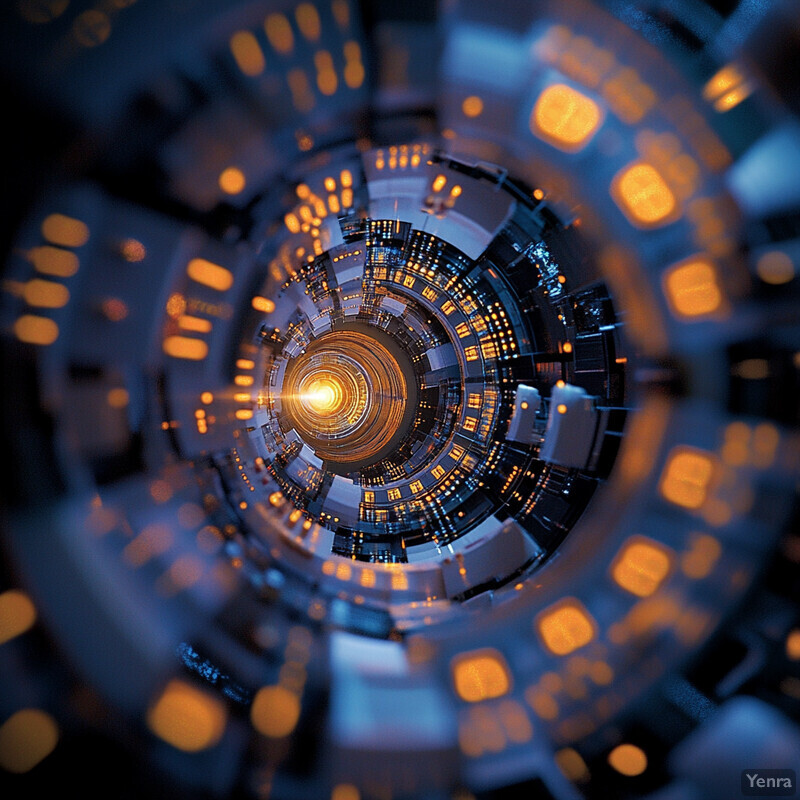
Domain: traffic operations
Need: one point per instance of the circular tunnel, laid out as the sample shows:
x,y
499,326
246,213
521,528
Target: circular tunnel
x,y
400,401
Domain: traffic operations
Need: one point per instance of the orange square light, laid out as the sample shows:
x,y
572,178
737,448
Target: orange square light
x,y
480,675
565,117
188,718
566,626
691,288
641,566
687,476
643,195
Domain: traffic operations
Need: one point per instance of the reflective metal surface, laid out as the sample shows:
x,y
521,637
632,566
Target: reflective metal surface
x,y
400,402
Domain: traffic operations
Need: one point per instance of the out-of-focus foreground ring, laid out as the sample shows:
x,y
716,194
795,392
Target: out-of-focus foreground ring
x,y
401,402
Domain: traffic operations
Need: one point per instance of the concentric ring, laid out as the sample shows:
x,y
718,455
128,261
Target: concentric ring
x,y
346,396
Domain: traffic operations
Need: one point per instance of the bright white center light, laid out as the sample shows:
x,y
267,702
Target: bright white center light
x,y
321,396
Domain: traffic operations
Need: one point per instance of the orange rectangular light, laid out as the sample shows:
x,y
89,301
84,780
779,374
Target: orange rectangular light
x,y
17,614
308,21
565,117
210,274
687,477
54,261
480,675
399,581
247,53
185,347
430,294
187,717
279,33
65,231
691,288
643,195
367,577
263,304
727,88
641,566
187,322
565,627
45,294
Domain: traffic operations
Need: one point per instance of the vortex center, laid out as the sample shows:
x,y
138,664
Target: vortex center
x,y
322,396
346,397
